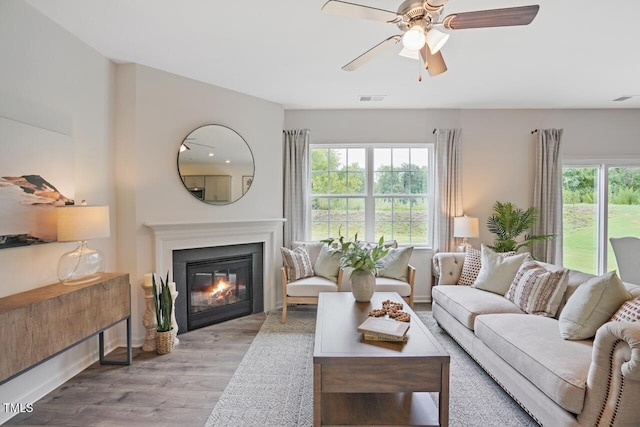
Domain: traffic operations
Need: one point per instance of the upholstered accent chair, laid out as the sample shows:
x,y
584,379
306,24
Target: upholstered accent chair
x,y
323,274
305,290
627,252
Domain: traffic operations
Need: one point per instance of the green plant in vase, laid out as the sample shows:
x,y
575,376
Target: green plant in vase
x,y
362,258
163,303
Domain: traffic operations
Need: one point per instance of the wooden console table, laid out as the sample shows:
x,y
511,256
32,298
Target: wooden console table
x,y
41,323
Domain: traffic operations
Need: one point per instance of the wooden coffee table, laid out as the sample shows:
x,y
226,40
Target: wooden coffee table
x,y
372,382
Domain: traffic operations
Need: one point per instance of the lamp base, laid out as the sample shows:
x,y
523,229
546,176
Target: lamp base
x,y
81,265
464,245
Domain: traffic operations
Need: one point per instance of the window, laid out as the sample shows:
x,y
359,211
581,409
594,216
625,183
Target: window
x,y
600,201
371,191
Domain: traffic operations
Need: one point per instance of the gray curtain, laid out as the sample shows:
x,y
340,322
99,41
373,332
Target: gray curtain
x,y
448,194
296,181
547,196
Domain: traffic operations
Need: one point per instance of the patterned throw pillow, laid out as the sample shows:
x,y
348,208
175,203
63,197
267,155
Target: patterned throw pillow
x,y
297,262
628,312
537,290
472,264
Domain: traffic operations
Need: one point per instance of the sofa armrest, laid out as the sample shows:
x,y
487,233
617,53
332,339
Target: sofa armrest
x,y
447,266
613,382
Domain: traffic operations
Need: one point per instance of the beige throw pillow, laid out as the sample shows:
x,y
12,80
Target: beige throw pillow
x,y
497,272
472,264
592,305
328,263
297,262
395,263
537,290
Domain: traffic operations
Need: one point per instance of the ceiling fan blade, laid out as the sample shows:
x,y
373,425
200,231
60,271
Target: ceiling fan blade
x,y
371,53
433,62
506,17
337,7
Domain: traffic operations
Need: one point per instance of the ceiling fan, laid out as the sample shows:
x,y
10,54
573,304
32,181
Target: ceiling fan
x,y
419,20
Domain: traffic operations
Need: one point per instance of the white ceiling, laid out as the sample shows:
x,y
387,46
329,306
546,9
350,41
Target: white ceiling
x,y
575,54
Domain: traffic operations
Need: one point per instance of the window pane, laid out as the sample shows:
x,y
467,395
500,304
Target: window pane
x,y
624,207
356,183
382,159
319,183
356,159
402,219
400,158
580,218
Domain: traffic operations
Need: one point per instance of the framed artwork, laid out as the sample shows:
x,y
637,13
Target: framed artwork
x,y
36,175
246,183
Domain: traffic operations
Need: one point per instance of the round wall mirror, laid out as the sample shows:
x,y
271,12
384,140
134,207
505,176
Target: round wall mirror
x,y
215,164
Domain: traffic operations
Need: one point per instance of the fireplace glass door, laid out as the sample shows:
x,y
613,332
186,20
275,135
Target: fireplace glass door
x,y
218,289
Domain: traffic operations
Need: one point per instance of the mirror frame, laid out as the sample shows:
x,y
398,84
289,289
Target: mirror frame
x,y
253,163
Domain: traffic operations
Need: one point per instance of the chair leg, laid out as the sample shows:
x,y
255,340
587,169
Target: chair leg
x,y
284,311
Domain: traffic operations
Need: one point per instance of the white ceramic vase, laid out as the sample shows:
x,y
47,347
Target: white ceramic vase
x,y
363,285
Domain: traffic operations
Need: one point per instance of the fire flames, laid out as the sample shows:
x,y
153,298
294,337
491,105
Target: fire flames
x,y
221,291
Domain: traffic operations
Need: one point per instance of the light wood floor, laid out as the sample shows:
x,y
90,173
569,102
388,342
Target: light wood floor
x,y
177,389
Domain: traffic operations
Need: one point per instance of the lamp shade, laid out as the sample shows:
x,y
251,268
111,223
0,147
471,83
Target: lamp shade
x,y
466,226
80,222
414,38
436,39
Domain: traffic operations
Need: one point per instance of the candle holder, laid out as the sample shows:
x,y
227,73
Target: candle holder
x,y
174,323
149,318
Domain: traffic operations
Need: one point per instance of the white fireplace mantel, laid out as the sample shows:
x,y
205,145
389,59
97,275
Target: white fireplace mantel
x,y
190,235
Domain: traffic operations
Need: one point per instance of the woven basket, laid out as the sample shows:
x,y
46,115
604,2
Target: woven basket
x,y
164,342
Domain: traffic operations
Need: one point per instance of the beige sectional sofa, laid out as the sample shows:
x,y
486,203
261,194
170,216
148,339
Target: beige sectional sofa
x,y
592,382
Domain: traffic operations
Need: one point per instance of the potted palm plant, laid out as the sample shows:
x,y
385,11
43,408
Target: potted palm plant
x,y
163,304
362,258
508,222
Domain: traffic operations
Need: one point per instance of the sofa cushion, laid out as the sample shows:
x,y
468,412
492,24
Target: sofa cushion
x,y
327,264
628,312
465,303
310,287
384,284
395,263
497,272
537,290
591,305
532,346
297,262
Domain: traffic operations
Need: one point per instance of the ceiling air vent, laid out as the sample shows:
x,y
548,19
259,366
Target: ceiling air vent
x,y
371,98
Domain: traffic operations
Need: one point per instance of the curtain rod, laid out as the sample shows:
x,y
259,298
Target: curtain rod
x,y
434,131
534,131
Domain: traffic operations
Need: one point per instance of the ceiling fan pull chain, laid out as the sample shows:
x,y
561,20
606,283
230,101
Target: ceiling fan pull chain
x,y
419,70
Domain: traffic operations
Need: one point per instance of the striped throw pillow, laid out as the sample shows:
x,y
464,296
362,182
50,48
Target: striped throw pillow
x,y
537,290
628,312
297,262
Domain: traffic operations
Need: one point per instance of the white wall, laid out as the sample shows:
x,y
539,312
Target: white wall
x,y
497,148
50,80
155,111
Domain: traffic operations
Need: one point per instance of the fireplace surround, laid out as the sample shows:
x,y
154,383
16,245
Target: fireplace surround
x,y
168,237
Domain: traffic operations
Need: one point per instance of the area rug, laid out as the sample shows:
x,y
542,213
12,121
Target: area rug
x,y
273,385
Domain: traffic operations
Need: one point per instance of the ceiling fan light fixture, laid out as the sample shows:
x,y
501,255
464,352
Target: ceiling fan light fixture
x,y
411,54
414,38
436,39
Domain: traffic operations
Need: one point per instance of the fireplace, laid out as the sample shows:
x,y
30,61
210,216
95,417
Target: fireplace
x,y
217,283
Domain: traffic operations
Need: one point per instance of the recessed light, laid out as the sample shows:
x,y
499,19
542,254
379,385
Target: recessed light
x,y
210,154
227,161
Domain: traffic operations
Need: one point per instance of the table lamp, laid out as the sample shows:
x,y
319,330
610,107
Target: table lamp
x,y
465,227
81,223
